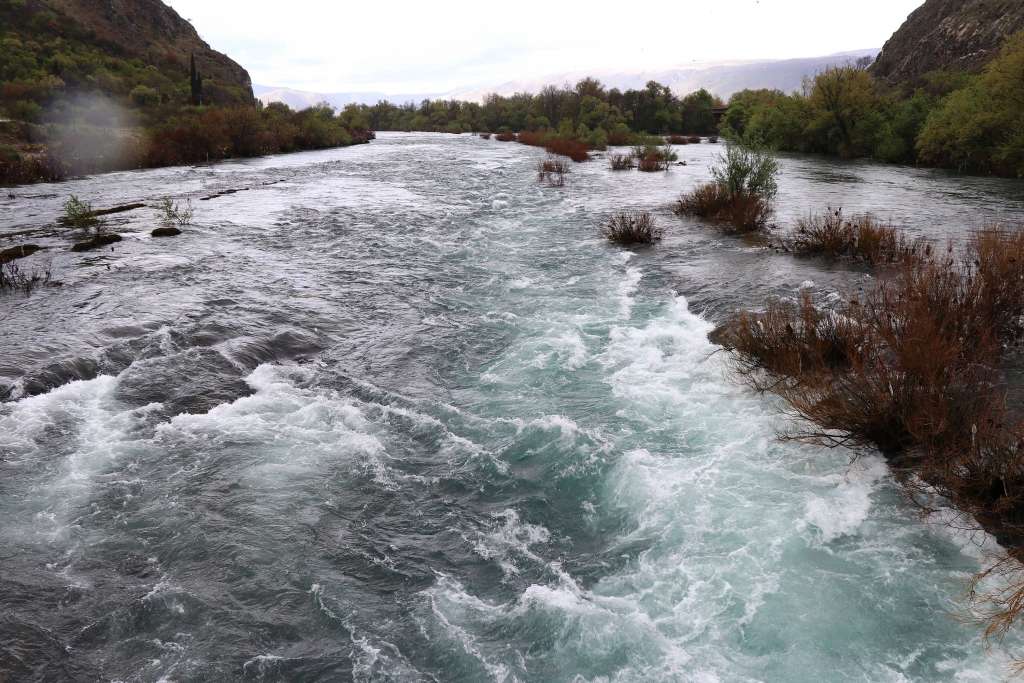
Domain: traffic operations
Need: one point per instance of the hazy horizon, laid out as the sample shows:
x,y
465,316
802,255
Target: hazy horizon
x,y
311,45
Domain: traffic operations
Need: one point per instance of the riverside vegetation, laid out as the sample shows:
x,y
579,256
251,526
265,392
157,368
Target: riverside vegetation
x,y
71,103
914,368
951,119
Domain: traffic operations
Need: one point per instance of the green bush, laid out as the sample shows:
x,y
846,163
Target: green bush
x,y
979,127
746,169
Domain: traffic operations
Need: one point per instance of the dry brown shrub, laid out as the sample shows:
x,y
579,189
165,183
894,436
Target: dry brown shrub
x,y
630,227
621,162
738,213
861,238
914,369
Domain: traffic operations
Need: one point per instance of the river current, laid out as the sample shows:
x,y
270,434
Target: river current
x,y
397,412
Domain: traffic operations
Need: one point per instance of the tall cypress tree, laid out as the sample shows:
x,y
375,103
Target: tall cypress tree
x,y
195,82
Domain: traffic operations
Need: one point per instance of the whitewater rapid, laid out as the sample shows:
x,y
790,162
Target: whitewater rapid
x,y
403,415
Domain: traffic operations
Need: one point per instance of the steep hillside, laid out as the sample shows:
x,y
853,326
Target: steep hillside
x,y
151,31
948,34
55,49
93,85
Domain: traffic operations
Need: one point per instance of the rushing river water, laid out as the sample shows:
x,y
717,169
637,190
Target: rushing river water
x,y
397,412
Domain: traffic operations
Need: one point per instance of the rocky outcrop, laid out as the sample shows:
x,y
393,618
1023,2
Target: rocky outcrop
x,y
156,34
21,251
948,34
96,242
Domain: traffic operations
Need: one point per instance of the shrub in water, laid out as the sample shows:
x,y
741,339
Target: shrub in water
x,y
861,238
173,213
629,227
552,170
78,213
621,162
742,192
13,277
574,149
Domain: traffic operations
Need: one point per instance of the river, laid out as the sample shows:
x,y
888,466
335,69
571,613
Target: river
x,y
398,412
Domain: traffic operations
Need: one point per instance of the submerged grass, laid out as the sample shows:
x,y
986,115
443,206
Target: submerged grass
x,y
621,162
552,171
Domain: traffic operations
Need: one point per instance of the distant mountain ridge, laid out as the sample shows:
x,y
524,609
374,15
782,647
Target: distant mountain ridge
x,y
722,79
948,34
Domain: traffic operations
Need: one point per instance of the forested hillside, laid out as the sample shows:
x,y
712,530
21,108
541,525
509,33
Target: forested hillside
x,y
91,85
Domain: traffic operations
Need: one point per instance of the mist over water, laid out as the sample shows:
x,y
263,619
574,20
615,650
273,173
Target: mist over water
x,y
397,412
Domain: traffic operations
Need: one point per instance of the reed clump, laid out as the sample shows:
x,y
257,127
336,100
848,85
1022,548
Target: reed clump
x,y
552,171
632,227
860,238
621,162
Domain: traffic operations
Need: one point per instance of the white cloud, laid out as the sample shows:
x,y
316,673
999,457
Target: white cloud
x,y
403,46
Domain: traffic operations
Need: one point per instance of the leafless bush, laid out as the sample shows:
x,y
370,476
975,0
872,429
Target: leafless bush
x,y
621,162
631,227
16,278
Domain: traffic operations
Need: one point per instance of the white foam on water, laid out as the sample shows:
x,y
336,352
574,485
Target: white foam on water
x,y
842,511
96,436
509,541
297,429
626,289
749,547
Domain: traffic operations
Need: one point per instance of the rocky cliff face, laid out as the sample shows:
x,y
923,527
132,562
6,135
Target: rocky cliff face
x,y
948,34
155,33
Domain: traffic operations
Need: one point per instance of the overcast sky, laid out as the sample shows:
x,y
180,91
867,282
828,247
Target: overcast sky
x,y
432,47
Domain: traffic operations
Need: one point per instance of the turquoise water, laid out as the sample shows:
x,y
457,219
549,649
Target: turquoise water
x,y
404,415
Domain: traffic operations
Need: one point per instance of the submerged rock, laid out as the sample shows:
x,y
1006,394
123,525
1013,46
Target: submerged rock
x,y
96,242
20,251
166,232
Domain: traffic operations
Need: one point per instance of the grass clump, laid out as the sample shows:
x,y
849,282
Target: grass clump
x,y
740,196
632,227
172,213
621,162
552,170
861,238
